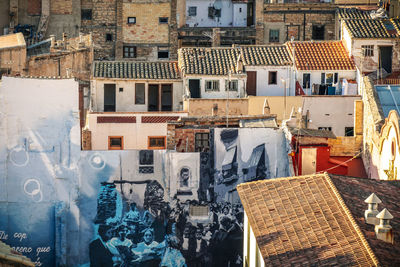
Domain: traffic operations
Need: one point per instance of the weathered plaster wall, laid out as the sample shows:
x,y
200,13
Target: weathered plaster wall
x,y
63,206
4,18
276,105
13,59
264,88
208,107
330,111
125,100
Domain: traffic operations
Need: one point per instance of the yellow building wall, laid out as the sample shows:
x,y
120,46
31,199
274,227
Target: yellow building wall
x,y
147,28
276,105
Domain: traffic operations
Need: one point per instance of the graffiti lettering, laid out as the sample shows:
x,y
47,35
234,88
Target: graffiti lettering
x,y
32,189
37,262
42,250
20,236
3,235
22,249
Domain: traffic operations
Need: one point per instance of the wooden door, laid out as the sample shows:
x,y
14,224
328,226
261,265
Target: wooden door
x,y
251,85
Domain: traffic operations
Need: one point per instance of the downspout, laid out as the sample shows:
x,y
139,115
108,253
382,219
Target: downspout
x,y
304,26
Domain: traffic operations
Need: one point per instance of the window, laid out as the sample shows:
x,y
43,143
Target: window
x,y
163,20
213,12
86,14
231,85
156,142
121,89
348,131
325,128
202,143
272,77
115,143
306,80
146,161
163,52
198,210
129,51
318,32
367,50
274,36
212,85
109,37
131,20
139,94
192,11
329,78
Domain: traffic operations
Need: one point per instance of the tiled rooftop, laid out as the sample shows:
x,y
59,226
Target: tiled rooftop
x,y
325,55
136,70
218,61
12,40
353,13
373,28
303,221
311,133
354,191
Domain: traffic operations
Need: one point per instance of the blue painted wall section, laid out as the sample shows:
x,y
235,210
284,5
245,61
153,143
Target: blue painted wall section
x,y
60,206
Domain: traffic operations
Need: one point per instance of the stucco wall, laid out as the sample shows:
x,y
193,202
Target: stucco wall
x,y
13,59
204,107
232,14
125,100
276,105
266,89
135,135
330,111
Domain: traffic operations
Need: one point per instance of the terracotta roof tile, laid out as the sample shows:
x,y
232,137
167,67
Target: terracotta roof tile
x,y
116,119
353,13
354,191
303,221
158,119
10,257
219,60
136,70
373,28
325,55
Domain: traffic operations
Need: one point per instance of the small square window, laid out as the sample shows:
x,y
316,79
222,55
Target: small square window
x,y
115,143
198,210
325,128
231,85
212,85
86,14
129,51
192,11
202,143
121,89
274,36
109,37
348,131
156,142
131,20
163,20
163,52
367,50
272,77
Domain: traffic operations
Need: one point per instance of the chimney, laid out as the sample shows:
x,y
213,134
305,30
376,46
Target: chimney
x,y
372,211
52,41
383,230
215,110
239,64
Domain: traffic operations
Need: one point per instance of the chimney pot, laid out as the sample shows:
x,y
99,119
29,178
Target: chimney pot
x,y
383,230
372,211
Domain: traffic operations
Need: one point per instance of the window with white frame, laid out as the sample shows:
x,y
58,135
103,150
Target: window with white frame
x,y
367,50
306,80
231,85
212,85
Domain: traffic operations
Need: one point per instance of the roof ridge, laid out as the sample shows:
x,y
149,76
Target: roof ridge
x,y
352,220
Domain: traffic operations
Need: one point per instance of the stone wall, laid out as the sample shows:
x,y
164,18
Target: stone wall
x,y
61,7
13,60
183,139
102,24
298,19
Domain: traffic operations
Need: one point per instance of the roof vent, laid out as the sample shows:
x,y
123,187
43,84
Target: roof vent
x,y
383,230
370,214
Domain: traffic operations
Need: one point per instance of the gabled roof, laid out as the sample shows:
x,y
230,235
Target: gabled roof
x,y
136,70
311,133
12,40
304,221
373,28
321,55
221,60
354,191
353,13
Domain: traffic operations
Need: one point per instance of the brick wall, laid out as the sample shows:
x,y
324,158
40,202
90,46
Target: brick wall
x,y
185,139
34,7
13,59
60,7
